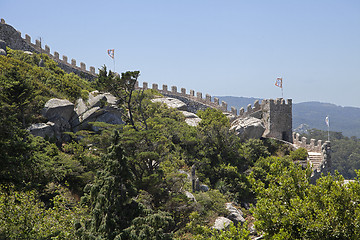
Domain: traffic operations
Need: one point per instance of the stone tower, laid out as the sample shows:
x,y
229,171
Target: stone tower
x,y
277,118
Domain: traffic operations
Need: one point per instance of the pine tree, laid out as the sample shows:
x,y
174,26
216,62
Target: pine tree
x,y
110,197
15,95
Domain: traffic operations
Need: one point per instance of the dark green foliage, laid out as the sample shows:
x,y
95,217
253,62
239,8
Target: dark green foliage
x,y
17,93
253,150
24,216
43,82
289,207
153,226
15,157
231,233
110,197
299,154
221,157
124,89
276,147
218,145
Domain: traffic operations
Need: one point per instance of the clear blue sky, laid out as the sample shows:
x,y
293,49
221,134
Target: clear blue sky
x,y
224,48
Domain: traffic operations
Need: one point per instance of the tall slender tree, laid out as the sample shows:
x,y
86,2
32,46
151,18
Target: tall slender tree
x,y
110,197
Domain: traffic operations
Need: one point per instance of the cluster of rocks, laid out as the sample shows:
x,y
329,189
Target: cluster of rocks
x,y
235,216
64,116
190,118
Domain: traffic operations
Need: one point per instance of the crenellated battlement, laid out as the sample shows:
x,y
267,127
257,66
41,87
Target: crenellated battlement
x,y
208,100
319,154
277,102
37,47
56,56
313,146
214,101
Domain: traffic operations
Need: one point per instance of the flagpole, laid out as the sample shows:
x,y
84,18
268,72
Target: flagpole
x,y
329,132
328,126
279,84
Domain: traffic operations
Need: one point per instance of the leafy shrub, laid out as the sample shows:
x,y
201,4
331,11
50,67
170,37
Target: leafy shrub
x,y
299,154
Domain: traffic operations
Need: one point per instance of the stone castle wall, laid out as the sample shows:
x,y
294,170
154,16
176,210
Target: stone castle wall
x,y
201,103
15,41
275,113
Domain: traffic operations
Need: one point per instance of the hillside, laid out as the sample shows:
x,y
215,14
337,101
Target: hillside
x,y
342,119
153,176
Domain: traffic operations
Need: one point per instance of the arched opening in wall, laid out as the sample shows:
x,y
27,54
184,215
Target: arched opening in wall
x,y
284,136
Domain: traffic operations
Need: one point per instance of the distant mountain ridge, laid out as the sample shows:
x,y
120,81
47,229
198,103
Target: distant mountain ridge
x,y
342,119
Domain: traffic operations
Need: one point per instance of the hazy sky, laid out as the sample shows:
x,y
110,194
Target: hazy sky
x,y
224,48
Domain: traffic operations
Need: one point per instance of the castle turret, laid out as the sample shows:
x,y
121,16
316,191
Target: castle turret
x,y
277,117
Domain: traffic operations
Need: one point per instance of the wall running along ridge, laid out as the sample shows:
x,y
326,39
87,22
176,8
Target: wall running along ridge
x,y
15,41
275,113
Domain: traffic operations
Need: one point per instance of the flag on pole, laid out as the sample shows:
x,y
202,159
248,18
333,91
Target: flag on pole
x,y
111,53
327,121
278,82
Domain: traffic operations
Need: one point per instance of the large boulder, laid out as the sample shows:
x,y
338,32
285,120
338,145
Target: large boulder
x,y
248,127
235,214
222,223
58,108
171,103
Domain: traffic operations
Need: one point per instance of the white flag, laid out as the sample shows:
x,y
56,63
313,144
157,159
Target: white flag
x,y
327,121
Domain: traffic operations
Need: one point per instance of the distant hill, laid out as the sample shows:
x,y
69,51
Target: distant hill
x,y
312,114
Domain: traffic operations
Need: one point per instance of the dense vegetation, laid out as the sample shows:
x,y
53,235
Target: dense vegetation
x,y
124,182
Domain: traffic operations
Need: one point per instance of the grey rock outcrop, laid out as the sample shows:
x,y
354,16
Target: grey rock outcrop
x,y
172,103
58,108
64,116
248,127
191,118
59,112
42,129
235,214
221,223
100,107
